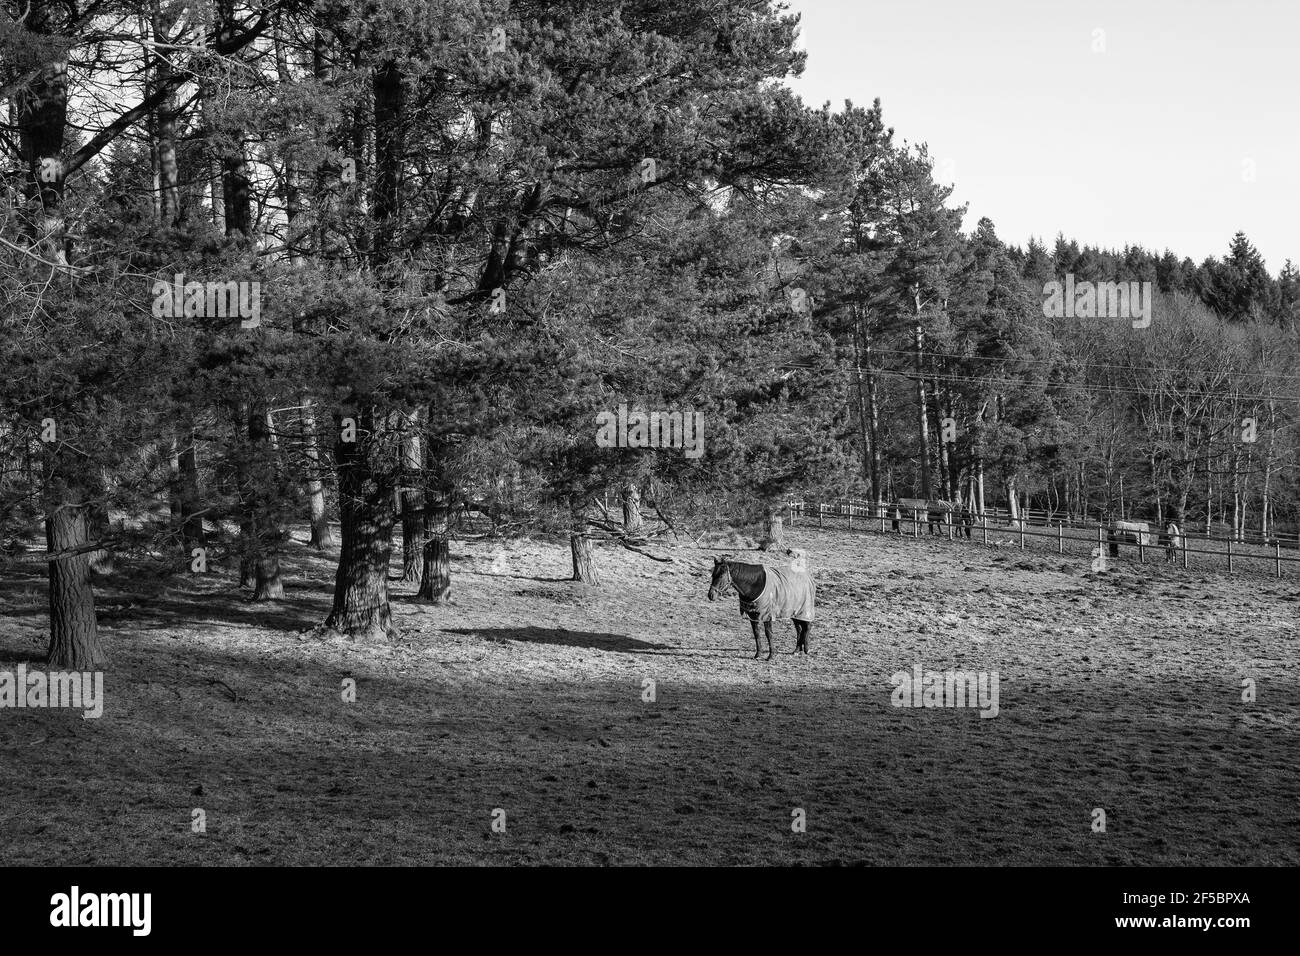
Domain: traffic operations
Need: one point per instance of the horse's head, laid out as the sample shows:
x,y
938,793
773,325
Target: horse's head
x,y
721,581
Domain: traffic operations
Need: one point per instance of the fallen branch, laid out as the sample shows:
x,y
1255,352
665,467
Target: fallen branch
x,y
655,505
647,554
42,558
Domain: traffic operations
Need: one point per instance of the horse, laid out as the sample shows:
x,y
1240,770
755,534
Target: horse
x,y
967,521
940,514
1171,539
934,513
767,594
1132,532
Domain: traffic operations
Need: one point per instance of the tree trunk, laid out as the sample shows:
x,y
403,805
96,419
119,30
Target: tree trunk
x,y
775,539
243,496
1266,502
102,560
435,579
191,521
321,537
583,569
1209,493
389,95
290,191
580,545
1235,531
632,523
947,481
42,110
1267,518
216,194
269,586
247,562
174,506
184,497
267,537
366,479
411,504
169,191
922,413
869,408
74,636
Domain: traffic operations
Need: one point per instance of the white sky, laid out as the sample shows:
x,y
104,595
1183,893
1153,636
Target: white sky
x,y
1184,130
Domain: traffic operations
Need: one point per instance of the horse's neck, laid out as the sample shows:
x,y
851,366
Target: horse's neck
x,y
748,579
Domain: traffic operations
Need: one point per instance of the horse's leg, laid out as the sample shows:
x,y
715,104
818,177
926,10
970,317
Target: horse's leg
x,y
767,629
757,646
807,629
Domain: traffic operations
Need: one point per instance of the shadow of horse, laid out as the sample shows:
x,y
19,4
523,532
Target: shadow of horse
x,y
547,635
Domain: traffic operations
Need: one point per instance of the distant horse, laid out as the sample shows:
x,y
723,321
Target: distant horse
x,y
941,514
934,513
768,594
966,521
1171,539
1130,532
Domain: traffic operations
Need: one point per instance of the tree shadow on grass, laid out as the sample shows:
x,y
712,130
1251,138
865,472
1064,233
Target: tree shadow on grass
x,y
131,597
23,657
404,777
523,577
192,609
549,635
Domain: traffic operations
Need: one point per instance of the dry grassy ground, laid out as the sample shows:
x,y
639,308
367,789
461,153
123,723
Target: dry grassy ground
x,y
1120,691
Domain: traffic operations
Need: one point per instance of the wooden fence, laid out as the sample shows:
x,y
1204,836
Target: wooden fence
x,y
1067,532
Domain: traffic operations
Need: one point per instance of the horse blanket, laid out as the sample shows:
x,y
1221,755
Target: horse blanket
x,y
920,508
1134,532
786,595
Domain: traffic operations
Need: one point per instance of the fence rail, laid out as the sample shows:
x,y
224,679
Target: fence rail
x,y
1064,530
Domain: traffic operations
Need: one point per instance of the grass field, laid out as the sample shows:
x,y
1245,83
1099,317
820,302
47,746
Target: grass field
x,y
1120,691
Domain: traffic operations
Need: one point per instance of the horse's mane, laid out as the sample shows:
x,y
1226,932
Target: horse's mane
x,y
750,574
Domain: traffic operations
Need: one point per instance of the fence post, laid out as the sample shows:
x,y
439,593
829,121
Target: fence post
x,y
821,509
984,526
1142,557
1101,543
850,514
790,504
1229,555
1185,540
1277,558
949,523
1022,535
1060,538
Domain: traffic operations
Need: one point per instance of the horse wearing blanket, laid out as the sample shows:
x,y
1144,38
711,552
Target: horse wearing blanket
x,y
935,513
768,594
1171,539
1129,532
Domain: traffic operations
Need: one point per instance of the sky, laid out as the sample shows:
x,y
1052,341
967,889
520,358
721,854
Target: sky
x,y
1169,124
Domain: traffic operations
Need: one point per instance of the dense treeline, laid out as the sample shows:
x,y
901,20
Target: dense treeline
x,y
365,265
